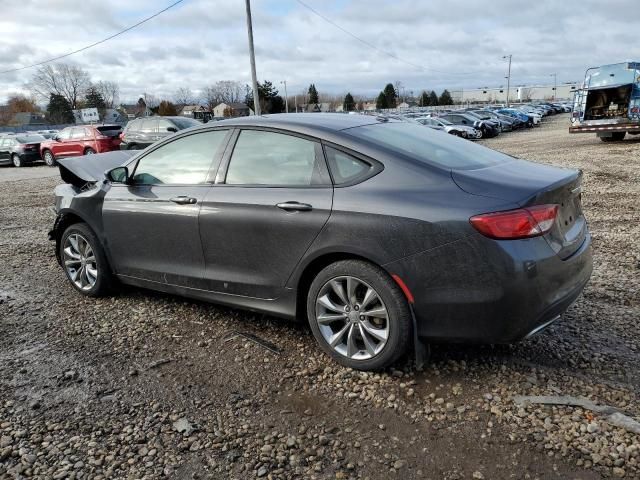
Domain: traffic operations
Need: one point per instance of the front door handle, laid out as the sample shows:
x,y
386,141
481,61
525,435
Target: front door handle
x,y
184,200
294,206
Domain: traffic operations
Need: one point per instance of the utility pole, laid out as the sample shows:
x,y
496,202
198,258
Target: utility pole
x,y
555,85
286,97
508,77
254,78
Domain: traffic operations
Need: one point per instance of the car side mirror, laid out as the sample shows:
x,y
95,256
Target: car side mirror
x,y
118,175
56,138
172,129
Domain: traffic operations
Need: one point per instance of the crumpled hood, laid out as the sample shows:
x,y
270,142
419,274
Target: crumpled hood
x,y
79,171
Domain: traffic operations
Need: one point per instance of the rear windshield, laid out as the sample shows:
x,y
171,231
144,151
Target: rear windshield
x,y
110,131
30,139
183,123
429,146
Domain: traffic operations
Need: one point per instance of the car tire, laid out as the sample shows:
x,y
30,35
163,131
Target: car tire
x,y
89,151
86,268
341,325
615,137
48,158
17,161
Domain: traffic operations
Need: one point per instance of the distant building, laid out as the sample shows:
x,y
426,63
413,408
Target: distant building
x,y
317,107
135,110
235,108
403,105
197,112
28,118
369,106
517,93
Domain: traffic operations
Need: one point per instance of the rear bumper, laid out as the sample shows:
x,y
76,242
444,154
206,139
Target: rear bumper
x,y
29,156
478,290
621,127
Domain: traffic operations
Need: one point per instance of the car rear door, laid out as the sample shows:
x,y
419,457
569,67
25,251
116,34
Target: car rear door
x,y
75,145
272,197
151,223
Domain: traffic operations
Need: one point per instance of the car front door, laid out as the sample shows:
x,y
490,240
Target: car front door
x,y
60,146
272,197
151,223
75,145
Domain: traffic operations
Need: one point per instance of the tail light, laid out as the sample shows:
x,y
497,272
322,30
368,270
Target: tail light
x,y
513,224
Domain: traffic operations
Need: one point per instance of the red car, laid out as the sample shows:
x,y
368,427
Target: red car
x,y
81,140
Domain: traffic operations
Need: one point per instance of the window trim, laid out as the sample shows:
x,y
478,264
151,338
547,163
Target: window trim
x,y
213,167
376,166
221,176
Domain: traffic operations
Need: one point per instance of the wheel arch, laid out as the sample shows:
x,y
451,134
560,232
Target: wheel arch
x,y
64,220
303,279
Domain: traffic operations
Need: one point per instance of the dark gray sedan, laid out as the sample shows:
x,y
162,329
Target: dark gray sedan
x,y
367,228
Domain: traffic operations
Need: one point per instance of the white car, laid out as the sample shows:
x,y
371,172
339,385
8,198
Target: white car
x,y
436,123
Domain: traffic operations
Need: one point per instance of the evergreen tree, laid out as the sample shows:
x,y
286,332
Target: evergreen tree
x,y
425,100
59,110
167,108
349,104
268,101
433,98
313,94
390,95
381,101
93,99
445,98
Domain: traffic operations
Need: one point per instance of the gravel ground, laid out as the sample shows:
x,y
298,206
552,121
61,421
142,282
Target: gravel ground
x,y
144,385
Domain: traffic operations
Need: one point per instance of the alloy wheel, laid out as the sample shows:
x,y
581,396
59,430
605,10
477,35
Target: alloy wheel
x,y
352,318
80,262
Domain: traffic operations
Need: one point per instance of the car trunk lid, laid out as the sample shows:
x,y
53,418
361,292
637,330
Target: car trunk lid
x,y
525,184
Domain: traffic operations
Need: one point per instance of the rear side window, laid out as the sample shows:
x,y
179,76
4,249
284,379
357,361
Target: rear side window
x,y
184,161
148,126
346,168
429,146
274,159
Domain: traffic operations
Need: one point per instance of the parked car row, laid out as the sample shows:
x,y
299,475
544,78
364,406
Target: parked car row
x,y
484,121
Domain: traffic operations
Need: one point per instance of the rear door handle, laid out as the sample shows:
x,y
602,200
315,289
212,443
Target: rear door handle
x,y
183,200
294,206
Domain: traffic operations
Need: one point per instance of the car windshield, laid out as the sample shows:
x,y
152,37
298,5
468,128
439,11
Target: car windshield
x,y
183,123
443,121
30,139
429,146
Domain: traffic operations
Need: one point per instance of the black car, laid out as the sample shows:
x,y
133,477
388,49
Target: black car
x,y
488,129
20,149
368,228
505,125
142,132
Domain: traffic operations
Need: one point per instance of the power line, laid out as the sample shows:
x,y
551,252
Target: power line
x,y
377,49
96,43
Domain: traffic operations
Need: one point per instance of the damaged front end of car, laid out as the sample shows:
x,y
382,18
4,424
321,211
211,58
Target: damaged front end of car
x,y
80,198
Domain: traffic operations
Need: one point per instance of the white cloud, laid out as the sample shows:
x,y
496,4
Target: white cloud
x,y
459,43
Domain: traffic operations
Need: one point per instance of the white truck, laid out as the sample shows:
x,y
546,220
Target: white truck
x,y
608,104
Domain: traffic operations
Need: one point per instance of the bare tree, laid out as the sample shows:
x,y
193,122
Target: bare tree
x,y
224,91
110,92
183,96
211,97
63,79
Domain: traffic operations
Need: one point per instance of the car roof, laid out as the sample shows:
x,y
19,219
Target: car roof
x,y
304,122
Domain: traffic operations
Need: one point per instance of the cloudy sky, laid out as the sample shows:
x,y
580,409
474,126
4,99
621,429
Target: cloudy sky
x,y
436,44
